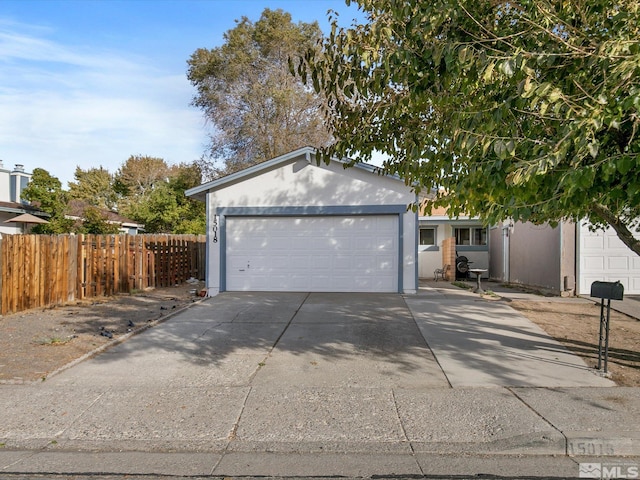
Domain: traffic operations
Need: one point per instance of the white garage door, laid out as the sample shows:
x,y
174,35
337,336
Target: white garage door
x,y
312,254
603,257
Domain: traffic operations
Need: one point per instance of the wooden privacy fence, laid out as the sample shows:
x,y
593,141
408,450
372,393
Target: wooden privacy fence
x,y
43,270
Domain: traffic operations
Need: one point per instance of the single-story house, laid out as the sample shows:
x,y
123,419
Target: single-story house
x,y
77,207
566,259
293,224
436,233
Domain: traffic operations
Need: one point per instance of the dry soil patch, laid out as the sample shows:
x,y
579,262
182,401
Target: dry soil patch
x,y
577,325
37,342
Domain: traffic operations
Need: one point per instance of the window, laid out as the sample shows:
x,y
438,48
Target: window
x,y
471,236
479,236
463,236
427,236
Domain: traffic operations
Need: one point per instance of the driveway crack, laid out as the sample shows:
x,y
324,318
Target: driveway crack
x,y
427,343
566,440
289,323
404,431
233,432
77,417
278,339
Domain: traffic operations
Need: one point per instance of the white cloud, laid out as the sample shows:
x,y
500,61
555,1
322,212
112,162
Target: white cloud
x,y
62,106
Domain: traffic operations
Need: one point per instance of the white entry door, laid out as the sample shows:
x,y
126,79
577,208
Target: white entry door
x,y
603,257
312,253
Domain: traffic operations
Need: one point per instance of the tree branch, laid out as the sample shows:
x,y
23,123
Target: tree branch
x,y
619,226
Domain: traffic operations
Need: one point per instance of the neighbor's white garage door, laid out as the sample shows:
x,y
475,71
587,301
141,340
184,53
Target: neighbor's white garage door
x,y
603,257
312,254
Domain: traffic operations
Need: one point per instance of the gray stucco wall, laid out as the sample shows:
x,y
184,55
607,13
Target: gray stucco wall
x,y
538,255
535,256
496,253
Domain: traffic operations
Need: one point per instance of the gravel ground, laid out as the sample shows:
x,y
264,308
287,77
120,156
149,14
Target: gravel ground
x,y
37,342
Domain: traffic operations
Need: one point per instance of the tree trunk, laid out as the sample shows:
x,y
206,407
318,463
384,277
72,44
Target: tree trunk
x,y
619,226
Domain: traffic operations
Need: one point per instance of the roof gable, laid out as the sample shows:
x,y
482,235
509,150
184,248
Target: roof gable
x,y
306,153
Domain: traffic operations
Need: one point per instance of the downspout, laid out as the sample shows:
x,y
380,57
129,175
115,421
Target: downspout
x,y
577,261
506,252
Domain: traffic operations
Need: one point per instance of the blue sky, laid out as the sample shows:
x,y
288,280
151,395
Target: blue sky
x,y
91,82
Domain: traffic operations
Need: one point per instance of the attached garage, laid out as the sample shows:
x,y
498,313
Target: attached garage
x,y
603,257
291,224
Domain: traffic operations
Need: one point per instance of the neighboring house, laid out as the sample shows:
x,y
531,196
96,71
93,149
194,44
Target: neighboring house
x,y
12,183
76,210
566,259
471,241
289,224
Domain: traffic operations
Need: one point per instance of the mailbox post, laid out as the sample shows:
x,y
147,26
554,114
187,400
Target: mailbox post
x,y
605,291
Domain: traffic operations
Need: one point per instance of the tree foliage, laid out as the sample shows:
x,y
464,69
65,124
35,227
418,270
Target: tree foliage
x,y
256,108
146,189
153,194
95,221
526,110
45,192
139,174
94,186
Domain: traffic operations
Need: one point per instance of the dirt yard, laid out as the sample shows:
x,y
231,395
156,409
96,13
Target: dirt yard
x,y
35,343
577,326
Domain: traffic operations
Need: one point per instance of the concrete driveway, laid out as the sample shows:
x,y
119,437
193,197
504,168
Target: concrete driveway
x,y
279,339
288,373
341,340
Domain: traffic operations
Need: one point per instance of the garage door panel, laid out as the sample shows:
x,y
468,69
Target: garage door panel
x,y
298,243
320,283
364,263
369,244
320,262
603,257
259,283
593,242
618,263
341,253
236,263
386,263
614,243
301,262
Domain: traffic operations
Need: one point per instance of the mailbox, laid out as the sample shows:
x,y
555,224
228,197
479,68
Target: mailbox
x,y
607,290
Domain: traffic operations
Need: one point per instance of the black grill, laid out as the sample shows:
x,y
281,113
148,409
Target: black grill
x,y
462,267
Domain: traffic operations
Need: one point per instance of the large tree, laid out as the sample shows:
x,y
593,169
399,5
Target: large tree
x,y
94,186
152,193
256,108
45,192
526,109
138,175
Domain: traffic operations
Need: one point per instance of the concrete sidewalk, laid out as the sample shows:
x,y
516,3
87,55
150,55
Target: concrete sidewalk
x,y
324,384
